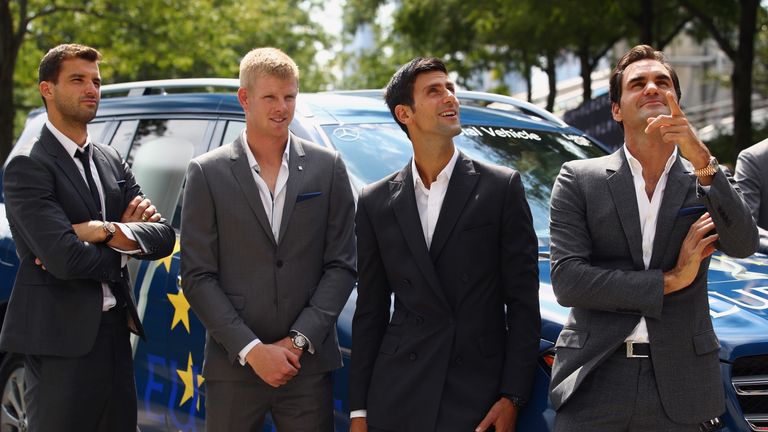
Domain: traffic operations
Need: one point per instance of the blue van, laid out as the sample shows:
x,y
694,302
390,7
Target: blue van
x,y
159,126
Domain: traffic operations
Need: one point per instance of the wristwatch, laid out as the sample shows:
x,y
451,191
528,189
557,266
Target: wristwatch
x,y
299,341
708,170
110,229
517,401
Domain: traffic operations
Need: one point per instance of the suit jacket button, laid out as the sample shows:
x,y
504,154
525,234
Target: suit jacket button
x,y
419,320
279,263
458,360
464,277
406,282
412,356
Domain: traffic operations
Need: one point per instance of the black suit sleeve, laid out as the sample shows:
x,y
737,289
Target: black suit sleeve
x,y
520,279
372,310
36,215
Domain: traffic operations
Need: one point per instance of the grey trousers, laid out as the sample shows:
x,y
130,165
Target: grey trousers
x,y
304,404
620,395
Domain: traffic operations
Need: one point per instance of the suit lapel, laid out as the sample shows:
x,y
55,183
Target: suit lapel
x,y
462,183
108,184
678,184
403,202
67,164
244,177
298,163
622,187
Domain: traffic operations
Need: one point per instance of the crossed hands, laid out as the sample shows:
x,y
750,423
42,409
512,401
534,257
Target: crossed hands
x,y
140,209
275,363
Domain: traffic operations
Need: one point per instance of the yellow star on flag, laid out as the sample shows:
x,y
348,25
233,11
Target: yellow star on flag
x,y
181,309
187,377
166,262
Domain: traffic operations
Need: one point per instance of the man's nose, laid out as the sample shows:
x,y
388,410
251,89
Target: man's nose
x,y
651,88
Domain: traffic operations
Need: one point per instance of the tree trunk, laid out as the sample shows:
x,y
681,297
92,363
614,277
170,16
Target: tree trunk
x,y
646,22
586,71
742,77
9,49
552,79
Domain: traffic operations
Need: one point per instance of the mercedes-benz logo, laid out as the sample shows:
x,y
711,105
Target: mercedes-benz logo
x,y
346,134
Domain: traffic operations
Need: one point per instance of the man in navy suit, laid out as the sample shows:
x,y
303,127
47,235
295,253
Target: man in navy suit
x,y
76,213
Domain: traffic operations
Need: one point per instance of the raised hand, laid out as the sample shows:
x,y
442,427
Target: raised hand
x,y
674,128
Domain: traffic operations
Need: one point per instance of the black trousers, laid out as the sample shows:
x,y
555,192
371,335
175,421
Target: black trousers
x,y
95,392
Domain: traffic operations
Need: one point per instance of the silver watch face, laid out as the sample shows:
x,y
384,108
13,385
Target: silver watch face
x,y
299,341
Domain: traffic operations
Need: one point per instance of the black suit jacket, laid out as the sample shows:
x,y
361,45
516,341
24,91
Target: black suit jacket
x,y
57,311
465,326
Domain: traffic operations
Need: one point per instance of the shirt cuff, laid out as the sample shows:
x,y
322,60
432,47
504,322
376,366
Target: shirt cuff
x,y
244,352
310,348
132,237
358,413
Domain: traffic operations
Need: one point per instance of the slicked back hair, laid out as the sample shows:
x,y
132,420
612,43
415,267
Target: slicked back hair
x,y
637,53
399,91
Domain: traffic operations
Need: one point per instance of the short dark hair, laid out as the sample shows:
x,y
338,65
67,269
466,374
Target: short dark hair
x,y
50,65
637,53
399,91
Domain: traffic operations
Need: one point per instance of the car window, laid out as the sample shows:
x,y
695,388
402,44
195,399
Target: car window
x,y
159,154
373,151
234,128
124,136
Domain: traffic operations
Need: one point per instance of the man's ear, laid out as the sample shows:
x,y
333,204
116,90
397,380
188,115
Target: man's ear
x,y
616,112
46,89
403,113
242,97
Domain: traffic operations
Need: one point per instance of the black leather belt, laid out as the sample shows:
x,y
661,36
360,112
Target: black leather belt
x,y
635,350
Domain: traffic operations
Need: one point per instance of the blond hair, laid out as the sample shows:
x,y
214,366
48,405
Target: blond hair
x,y
266,61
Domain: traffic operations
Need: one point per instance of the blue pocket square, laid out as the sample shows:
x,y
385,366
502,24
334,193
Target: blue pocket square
x,y
306,196
692,210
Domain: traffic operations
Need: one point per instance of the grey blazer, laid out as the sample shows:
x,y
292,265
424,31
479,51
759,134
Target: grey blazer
x,y
240,282
752,176
598,271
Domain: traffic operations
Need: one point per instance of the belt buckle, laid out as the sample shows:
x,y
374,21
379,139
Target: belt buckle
x,y
631,351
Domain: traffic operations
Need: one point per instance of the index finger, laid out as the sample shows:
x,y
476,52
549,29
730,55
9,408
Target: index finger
x,y
674,107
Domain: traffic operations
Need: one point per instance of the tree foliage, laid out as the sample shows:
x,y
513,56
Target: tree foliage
x,y
152,39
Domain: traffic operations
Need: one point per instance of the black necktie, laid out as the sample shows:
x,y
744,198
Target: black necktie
x,y
83,156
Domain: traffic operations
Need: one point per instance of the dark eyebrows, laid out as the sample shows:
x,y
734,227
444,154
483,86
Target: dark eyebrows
x,y
657,78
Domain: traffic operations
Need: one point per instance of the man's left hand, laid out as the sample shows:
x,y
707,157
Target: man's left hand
x,y
140,209
287,343
502,416
675,129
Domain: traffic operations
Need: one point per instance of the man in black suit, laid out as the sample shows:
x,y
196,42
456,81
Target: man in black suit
x,y
453,239
76,213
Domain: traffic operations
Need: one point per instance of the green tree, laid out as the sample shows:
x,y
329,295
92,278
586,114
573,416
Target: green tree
x,y
150,39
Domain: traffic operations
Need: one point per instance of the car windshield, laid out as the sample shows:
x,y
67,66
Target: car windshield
x,y
373,151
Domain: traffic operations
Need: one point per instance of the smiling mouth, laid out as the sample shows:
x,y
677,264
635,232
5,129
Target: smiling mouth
x,y
448,114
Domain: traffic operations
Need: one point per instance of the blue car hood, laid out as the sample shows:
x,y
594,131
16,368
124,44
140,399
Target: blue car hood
x,y
738,302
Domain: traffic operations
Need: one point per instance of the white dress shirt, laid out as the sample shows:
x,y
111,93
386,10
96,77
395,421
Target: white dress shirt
x,y
71,148
429,201
649,212
273,206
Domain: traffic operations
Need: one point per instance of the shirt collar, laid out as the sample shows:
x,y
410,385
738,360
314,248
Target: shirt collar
x,y
637,168
444,174
69,146
252,159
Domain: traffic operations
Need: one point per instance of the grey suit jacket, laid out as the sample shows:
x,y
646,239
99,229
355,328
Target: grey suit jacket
x,y
240,282
57,311
752,176
598,270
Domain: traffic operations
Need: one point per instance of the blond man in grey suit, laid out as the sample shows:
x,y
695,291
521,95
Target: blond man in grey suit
x,y
268,260
631,237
